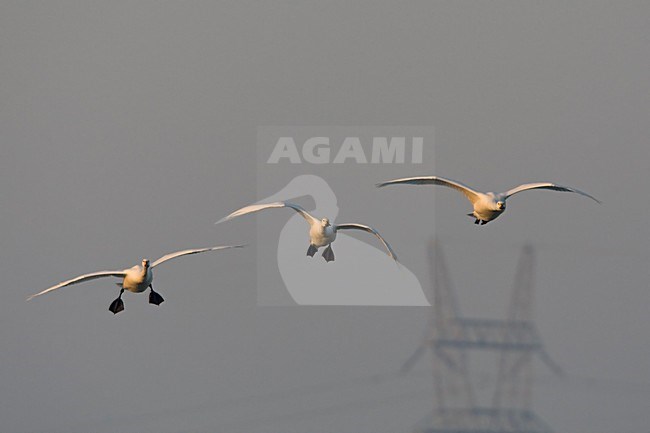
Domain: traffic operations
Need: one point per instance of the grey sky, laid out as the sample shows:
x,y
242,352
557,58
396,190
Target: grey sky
x,y
128,128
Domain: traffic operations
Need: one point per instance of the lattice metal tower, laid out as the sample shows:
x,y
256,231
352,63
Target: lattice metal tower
x,y
515,341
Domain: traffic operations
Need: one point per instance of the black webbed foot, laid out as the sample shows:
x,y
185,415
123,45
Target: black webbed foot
x,y
117,305
483,222
312,250
155,298
328,254
477,221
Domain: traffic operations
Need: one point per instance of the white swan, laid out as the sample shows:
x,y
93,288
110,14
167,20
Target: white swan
x,y
321,232
136,279
487,206
367,276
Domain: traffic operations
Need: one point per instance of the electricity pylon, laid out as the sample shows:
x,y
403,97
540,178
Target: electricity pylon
x,y
515,340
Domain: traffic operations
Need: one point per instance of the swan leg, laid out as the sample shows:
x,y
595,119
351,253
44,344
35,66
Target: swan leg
x,y
312,250
483,222
118,304
154,297
328,254
477,221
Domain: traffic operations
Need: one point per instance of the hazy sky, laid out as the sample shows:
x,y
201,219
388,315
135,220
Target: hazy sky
x,y
128,128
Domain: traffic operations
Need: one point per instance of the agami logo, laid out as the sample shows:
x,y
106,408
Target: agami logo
x,y
323,150
310,166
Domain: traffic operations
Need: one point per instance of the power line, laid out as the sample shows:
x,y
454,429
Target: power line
x,y
450,337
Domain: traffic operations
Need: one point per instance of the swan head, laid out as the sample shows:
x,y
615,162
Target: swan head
x,y
325,222
501,205
145,263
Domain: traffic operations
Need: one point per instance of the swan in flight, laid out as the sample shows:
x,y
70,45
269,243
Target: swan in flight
x,y
136,279
321,232
367,276
487,206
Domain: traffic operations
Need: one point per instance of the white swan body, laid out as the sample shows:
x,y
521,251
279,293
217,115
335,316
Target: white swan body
x,y
365,276
321,232
487,206
136,279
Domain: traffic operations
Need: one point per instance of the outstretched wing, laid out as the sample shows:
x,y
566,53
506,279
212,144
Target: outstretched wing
x,y
170,256
545,185
471,195
354,226
278,204
81,279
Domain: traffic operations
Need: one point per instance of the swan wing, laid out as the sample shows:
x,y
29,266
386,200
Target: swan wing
x,y
546,185
471,195
170,256
355,226
278,204
81,279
